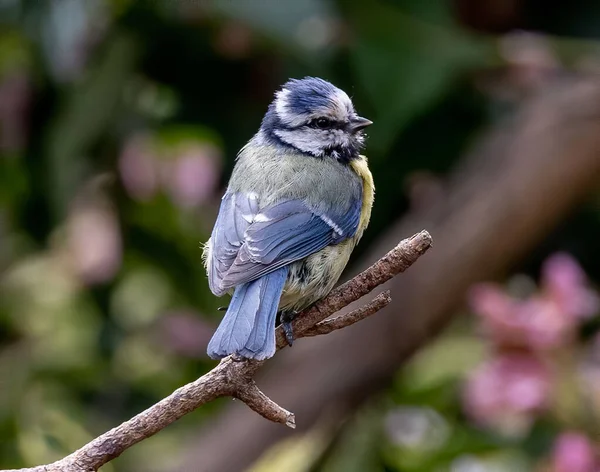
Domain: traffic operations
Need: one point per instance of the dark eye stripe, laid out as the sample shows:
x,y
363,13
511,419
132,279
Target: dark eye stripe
x,y
325,123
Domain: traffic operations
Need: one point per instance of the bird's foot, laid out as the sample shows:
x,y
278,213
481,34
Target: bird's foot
x,y
286,322
223,308
235,357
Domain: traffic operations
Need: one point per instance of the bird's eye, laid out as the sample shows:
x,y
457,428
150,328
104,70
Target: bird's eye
x,y
322,123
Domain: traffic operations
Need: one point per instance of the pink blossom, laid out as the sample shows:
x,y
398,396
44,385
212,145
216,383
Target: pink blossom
x,y
566,285
192,177
547,325
138,166
536,323
546,320
493,304
574,452
514,386
15,99
511,387
94,243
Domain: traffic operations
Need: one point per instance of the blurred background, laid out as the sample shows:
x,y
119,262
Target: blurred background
x,y
119,124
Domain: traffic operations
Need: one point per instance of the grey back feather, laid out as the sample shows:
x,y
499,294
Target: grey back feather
x,y
276,174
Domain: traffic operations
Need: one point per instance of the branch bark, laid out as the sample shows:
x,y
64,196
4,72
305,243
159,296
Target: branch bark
x,y
339,322
234,377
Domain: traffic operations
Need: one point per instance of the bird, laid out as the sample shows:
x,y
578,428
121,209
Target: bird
x,y
298,201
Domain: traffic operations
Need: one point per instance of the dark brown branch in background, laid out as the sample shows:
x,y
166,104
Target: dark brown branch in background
x,y
235,378
520,180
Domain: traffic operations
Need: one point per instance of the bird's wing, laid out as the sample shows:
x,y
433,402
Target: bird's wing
x,y
247,243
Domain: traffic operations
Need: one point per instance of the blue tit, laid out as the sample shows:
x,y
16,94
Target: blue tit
x,y
297,203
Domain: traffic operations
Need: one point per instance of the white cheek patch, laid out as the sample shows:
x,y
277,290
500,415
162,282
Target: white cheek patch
x,y
293,119
311,141
316,141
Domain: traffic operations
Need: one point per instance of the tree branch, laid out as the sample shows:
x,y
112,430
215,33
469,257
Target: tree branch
x,y
235,377
339,322
251,395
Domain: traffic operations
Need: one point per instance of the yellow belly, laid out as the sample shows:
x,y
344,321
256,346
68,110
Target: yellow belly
x,y
314,277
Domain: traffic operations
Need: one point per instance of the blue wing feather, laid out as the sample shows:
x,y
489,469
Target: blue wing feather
x,y
235,215
247,243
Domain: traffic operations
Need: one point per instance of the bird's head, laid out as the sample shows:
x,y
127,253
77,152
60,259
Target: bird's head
x,y
314,117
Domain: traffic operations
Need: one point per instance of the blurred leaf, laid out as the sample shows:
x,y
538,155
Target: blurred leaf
x,y
405,64
15,51
356,448
449,358
47,429
13,182
297,454
302,25
174,136
140,297
86,112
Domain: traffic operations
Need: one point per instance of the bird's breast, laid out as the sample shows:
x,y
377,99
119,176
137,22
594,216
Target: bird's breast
x,y
312,278
361,168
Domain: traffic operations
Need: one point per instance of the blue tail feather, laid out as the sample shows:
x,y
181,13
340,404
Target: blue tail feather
x,y
248,327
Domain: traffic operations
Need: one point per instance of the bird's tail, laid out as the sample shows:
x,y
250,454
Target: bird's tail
x,y
248,327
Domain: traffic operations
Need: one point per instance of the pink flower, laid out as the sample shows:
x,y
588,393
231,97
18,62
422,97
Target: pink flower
x,y
508,391
536,323
192,177
188,172
546,320
95,246
15,99
574,452
566,285
138,166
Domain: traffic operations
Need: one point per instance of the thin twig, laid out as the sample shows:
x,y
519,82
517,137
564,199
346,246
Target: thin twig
x,y
339,322
252,396
234,377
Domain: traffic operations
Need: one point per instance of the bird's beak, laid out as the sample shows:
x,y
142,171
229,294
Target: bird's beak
x,y
359,123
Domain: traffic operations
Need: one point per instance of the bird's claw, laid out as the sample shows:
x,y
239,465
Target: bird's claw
x,y
286,323
289,332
